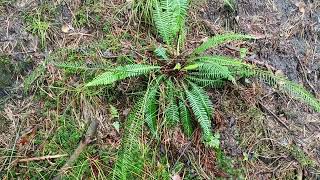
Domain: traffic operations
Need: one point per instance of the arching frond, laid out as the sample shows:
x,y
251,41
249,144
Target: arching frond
x,y
122,72
218,40
293,89
221,60
130,158
185,116
213,71
171,111
150,105
202,109
204,82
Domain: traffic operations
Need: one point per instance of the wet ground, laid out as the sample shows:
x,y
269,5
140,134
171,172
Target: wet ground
x,y
289,42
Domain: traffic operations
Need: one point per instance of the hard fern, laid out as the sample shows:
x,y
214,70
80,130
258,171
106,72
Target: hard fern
x,y
217,40
283,84
130,157
169,17
185,116
122,72
172,111
150,106
202,109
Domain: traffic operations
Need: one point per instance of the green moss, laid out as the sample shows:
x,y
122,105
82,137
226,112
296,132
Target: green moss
x,y
6,69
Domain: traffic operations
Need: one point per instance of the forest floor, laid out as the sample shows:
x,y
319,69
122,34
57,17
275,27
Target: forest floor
x,y
44,116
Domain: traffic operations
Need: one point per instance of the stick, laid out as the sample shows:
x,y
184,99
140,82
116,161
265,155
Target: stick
x,y
41,158
264,108
83,143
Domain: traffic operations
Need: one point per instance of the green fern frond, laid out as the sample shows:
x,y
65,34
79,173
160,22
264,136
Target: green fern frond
x,y
218,40
185,116
221,60
161,52
130,158
150,105
213,71
203,82
122,72
169,17
298,92
172,111
202,109
150,109
203,97
294,90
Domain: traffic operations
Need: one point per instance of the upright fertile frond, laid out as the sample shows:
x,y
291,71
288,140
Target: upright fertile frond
x,y
130,158
169,18
202,109
219,39
122,72
171,111
185,116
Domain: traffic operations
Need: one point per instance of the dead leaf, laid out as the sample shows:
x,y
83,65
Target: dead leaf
x,y
176,177
27,136
302,6
66,28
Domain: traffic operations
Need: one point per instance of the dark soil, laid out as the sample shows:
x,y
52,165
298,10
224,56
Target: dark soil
x,y
263,144
290,43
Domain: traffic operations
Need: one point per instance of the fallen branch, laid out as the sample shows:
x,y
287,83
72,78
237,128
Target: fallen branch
x,y
265,109
40,158
83,143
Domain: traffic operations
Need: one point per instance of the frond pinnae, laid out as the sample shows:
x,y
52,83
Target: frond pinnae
x,y
293,89
150,105
130,158
169,18
218,40
185,116
204,82
172,110
202,109
122,72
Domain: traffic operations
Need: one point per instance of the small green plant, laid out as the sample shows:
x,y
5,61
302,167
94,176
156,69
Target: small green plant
x,y
182,79
38,27
230,4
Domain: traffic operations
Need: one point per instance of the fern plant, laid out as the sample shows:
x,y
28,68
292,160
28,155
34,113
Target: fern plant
x,y
185,78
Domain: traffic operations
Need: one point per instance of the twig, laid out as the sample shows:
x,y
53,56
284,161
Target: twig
x,y
40,158
303,68
274,115
83,143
